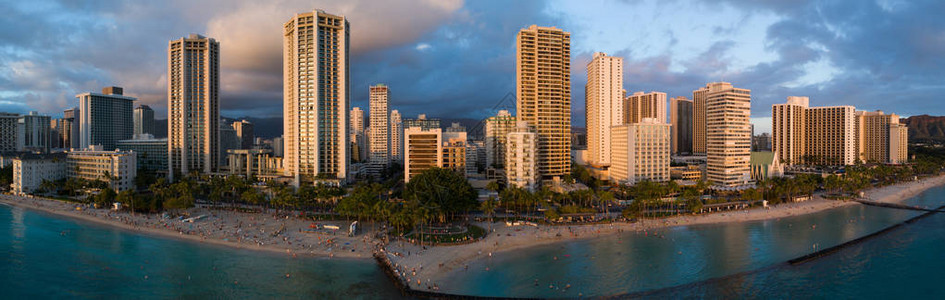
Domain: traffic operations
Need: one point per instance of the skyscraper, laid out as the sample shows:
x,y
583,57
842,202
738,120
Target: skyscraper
x,y
497,128
193,105
543,94
105,119
641,106
728,134
316,93
380,125
356,135
698,120
604,105
423,149
32,132
246,133
144,120
787,129
680,116
73,134
396,136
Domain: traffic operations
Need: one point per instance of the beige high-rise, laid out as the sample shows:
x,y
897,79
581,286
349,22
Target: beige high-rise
x,y
641,106
423,149
640,152
829,135
880,138
380,125
728,134
604,105
543,94
316,93
356,135
698,120
193,103
787,129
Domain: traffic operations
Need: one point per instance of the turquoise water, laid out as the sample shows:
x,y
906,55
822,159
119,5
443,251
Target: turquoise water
x,y
679,260
93,261
729,260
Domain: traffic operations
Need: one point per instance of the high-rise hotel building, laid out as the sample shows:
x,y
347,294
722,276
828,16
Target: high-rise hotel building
x,y
193,104
642,105
144,120
543,94
316,93
641,152
728,134
880,138
380,128
813,135
680,116
106,118
604,105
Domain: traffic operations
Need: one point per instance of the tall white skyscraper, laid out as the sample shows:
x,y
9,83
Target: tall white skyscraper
x,y
380,125
193,105
604,105
316,93
396,136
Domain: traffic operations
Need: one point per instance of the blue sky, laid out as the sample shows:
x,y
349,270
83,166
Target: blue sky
x,y
455,59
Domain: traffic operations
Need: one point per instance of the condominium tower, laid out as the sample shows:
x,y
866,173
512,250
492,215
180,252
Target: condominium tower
x,y
813,135
521,162
728,134
105,118
316,93
641,106
543,94
396,136
604,105
193,105
246,133
356,134
680,116
380,125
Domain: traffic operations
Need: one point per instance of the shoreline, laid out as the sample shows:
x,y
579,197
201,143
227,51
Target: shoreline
x,y
243,230
423,268
215,230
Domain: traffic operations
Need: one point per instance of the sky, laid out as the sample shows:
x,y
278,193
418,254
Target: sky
x,y
456,59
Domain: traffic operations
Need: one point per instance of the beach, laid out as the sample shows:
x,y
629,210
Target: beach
x,y
257,231
421,267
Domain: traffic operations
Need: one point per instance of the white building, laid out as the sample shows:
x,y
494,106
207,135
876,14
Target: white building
x,y
521,161
30,170
380,125
316,93
396,136
117,168
604,105
640,152
645,106
497,129
193,105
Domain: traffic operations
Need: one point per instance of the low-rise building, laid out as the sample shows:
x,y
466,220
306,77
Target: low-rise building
x,y
253,162
521,161
151,152
30,170
765,165
117,168
687,173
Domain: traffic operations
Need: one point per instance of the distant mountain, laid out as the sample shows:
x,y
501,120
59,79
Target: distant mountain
x,y
925,128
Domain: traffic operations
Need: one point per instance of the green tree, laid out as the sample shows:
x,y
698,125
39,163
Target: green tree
x,y
446,191
105,198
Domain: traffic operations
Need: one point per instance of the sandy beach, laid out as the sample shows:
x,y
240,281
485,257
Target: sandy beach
x,y
256,231
423,268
